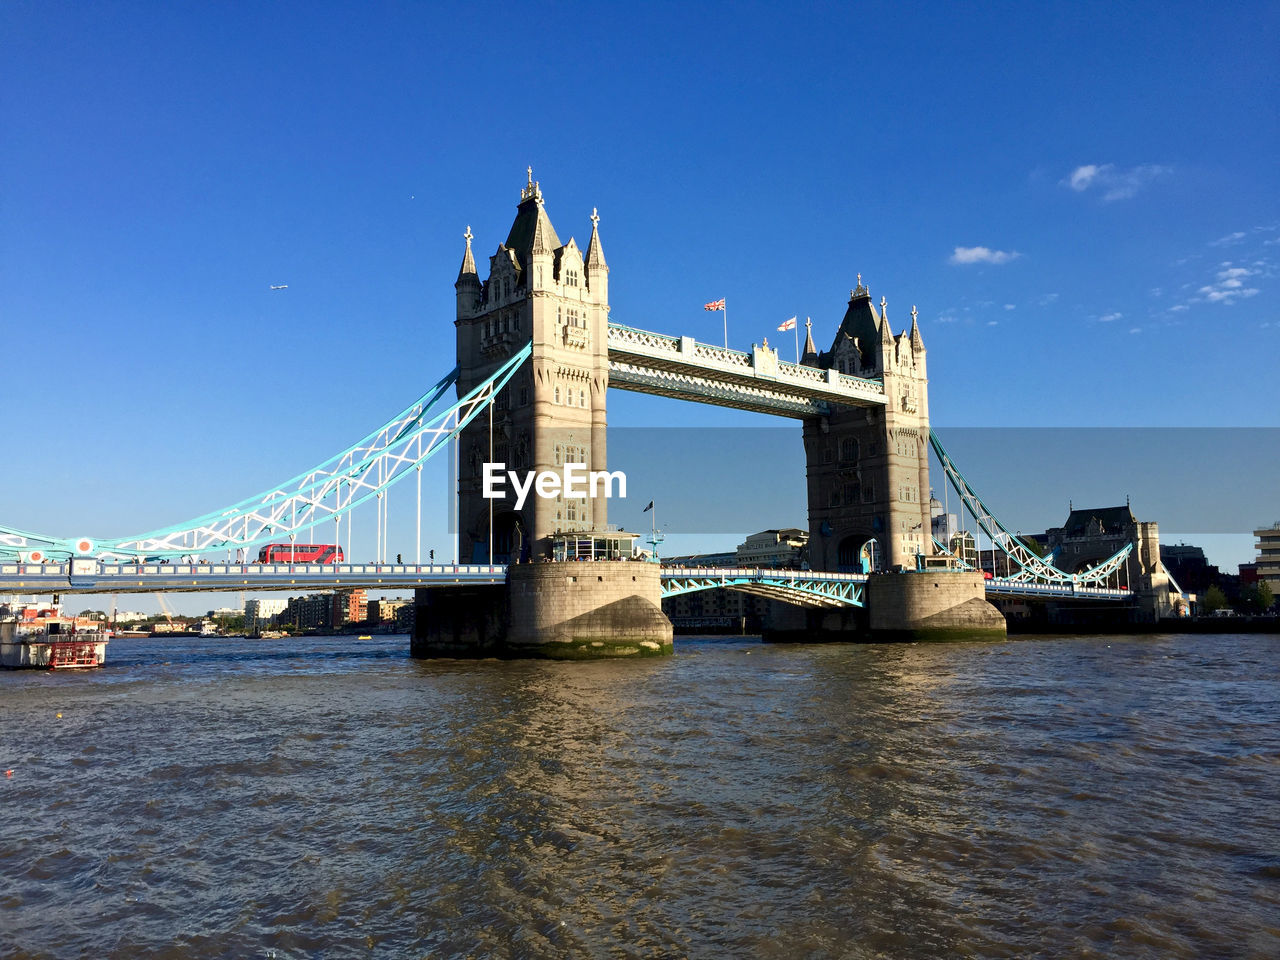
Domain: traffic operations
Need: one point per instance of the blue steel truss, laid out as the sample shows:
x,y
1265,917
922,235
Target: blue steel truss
x,y
364,471
1031,567
832,590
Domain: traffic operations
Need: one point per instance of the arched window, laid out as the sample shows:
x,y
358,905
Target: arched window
x,y
557,393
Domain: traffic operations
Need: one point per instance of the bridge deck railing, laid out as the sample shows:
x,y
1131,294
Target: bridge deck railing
x,y
779,573
247,569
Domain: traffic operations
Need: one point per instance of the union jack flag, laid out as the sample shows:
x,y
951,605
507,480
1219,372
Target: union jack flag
x,y
714,305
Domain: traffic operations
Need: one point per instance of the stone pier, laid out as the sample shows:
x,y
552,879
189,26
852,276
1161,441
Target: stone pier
x,y
935,605
932,605
580,610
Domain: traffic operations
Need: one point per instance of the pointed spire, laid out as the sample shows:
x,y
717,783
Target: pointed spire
x,y
859,290
886,331
810,356
917,341
468,267
595,252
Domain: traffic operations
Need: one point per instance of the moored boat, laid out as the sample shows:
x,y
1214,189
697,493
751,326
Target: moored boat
x,y
52,648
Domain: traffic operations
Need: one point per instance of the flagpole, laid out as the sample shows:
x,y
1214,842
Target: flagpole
x,y
796,331
724,311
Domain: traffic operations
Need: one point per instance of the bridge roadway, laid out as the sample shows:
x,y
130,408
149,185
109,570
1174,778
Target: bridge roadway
x,y
804,587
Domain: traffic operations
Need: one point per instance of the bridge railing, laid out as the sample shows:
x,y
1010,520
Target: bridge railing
x,y
1001,585
287,569
779,573
247,569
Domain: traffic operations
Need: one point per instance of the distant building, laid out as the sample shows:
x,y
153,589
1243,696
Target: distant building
x,y
259,613
964,546
773,548
350,606
729,559
943,525
1268,560
308,613
1188,565
383,610
406,617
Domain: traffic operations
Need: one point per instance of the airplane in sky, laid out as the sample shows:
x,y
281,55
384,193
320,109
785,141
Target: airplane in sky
x,y
279,286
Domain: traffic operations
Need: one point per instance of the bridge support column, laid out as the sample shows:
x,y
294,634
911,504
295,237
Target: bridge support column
x,y
587,610
932,605
560,611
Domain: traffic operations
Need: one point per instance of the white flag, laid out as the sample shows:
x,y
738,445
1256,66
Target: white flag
x,y
788,324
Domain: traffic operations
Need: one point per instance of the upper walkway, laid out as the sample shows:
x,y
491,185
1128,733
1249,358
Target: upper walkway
x,y
685,369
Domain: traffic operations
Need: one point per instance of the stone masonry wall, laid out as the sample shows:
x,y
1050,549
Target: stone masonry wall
x,y
587,609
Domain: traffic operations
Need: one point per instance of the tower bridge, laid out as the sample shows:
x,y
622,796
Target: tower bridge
x,y
537,353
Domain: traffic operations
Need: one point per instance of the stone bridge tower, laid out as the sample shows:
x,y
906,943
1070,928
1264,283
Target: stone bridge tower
x,y
868,468
553,411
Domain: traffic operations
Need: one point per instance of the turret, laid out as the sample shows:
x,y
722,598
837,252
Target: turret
x,y
468,283
917,342
888,346
810,356
596,270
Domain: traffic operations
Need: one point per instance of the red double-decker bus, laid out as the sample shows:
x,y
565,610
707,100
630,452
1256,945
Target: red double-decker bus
x,y
300,553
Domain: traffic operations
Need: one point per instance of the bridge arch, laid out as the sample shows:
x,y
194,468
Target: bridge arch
x,y
859,553
510,538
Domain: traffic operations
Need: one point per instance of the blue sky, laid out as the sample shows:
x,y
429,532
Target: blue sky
x,y
1081,200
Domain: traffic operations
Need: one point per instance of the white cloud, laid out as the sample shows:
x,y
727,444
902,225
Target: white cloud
x,y
1230,238
1230,285
1110,318
1135,329
1156,291
993,323
1047,299
965,255
1115,183
1081,177
1011,306
1217,295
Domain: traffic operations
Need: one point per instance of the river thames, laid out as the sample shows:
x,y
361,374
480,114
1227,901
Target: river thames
x,y
1048,797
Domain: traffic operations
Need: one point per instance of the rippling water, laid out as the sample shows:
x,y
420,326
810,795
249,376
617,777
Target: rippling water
x,y
1076,797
